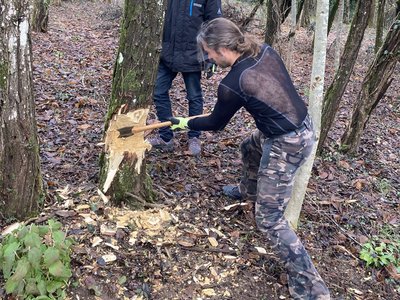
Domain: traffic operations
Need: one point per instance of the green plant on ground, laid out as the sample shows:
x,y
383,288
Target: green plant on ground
x,y
35,261
381,253
384,186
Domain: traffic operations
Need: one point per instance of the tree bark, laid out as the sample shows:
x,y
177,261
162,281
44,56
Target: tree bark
x,y
21,186
338,41
123,165
291,37
375,84
40,16
347,61
250,17
273,21
379,24
292,212
308,13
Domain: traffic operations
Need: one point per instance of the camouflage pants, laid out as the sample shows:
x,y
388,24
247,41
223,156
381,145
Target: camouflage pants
x,y
269,166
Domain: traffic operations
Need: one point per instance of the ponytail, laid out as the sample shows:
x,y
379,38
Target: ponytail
x,y
223,33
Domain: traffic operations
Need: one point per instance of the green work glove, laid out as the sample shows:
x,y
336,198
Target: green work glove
x,y
210,69
179,123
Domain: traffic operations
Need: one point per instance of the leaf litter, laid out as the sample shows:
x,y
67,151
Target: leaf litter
x,y
198,244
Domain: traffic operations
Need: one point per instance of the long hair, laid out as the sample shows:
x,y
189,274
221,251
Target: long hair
x,y
223,33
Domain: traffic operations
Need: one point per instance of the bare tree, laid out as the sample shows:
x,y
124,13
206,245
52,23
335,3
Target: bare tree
x,y
123,167
20,180
338,40
347,61
273,21
375,84
40,16
379,24
293,209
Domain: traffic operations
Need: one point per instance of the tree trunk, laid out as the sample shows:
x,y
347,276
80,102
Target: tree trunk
x,y
339,21
40,16
273,21
332,14
300,7
250,17
123,166
372,17
292,212
308,13
347,12
292,34
347,61
375,84
379,24
20,181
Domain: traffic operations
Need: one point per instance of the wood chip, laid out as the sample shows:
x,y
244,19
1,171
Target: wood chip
x,y
213,241
109,258
10,228
96,241
208,292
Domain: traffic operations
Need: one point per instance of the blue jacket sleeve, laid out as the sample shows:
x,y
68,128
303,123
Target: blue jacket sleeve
x,y
213,10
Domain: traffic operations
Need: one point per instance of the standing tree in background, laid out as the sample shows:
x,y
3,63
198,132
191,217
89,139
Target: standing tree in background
x,y
379,24
21,186
293,209
40,15
338,40
336,89
292,33
123,174
273,21
375,84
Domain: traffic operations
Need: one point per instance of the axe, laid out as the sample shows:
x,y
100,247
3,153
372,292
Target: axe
x,y
131,130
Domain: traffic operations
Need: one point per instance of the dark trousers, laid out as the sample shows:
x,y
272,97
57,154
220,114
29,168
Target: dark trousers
x,y
269,167
162,101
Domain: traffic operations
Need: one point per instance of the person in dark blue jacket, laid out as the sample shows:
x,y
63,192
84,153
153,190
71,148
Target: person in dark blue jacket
x,y
179,53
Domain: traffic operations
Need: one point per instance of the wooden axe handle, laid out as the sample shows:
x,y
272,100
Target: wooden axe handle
x,y
160,125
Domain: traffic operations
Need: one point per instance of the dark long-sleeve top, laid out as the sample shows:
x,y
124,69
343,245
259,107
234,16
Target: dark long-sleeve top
x,y
264,88
183,19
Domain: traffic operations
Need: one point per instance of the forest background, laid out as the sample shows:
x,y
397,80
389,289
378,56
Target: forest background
x,y
191,243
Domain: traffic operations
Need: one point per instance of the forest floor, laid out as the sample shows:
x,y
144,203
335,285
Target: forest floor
x,y
192,245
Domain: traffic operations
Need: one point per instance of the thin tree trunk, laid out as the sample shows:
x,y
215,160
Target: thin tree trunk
x,y
379,24
40,16
123,175
347,12
299,9
339,22
375,84
250,17
273,21
292,212
347,61
332,14
20,181
292,34
371,22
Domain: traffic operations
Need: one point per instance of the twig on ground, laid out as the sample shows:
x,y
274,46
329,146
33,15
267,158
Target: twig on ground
x,y
340,227
144,203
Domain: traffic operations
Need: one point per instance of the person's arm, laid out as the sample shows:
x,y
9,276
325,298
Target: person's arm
x,y
213,10
227,105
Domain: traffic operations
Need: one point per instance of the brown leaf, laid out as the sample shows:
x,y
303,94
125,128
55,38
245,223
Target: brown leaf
x,y
65,213
392,270
186,242
344,164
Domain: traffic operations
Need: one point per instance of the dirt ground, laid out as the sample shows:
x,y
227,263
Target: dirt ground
x,y
191,244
